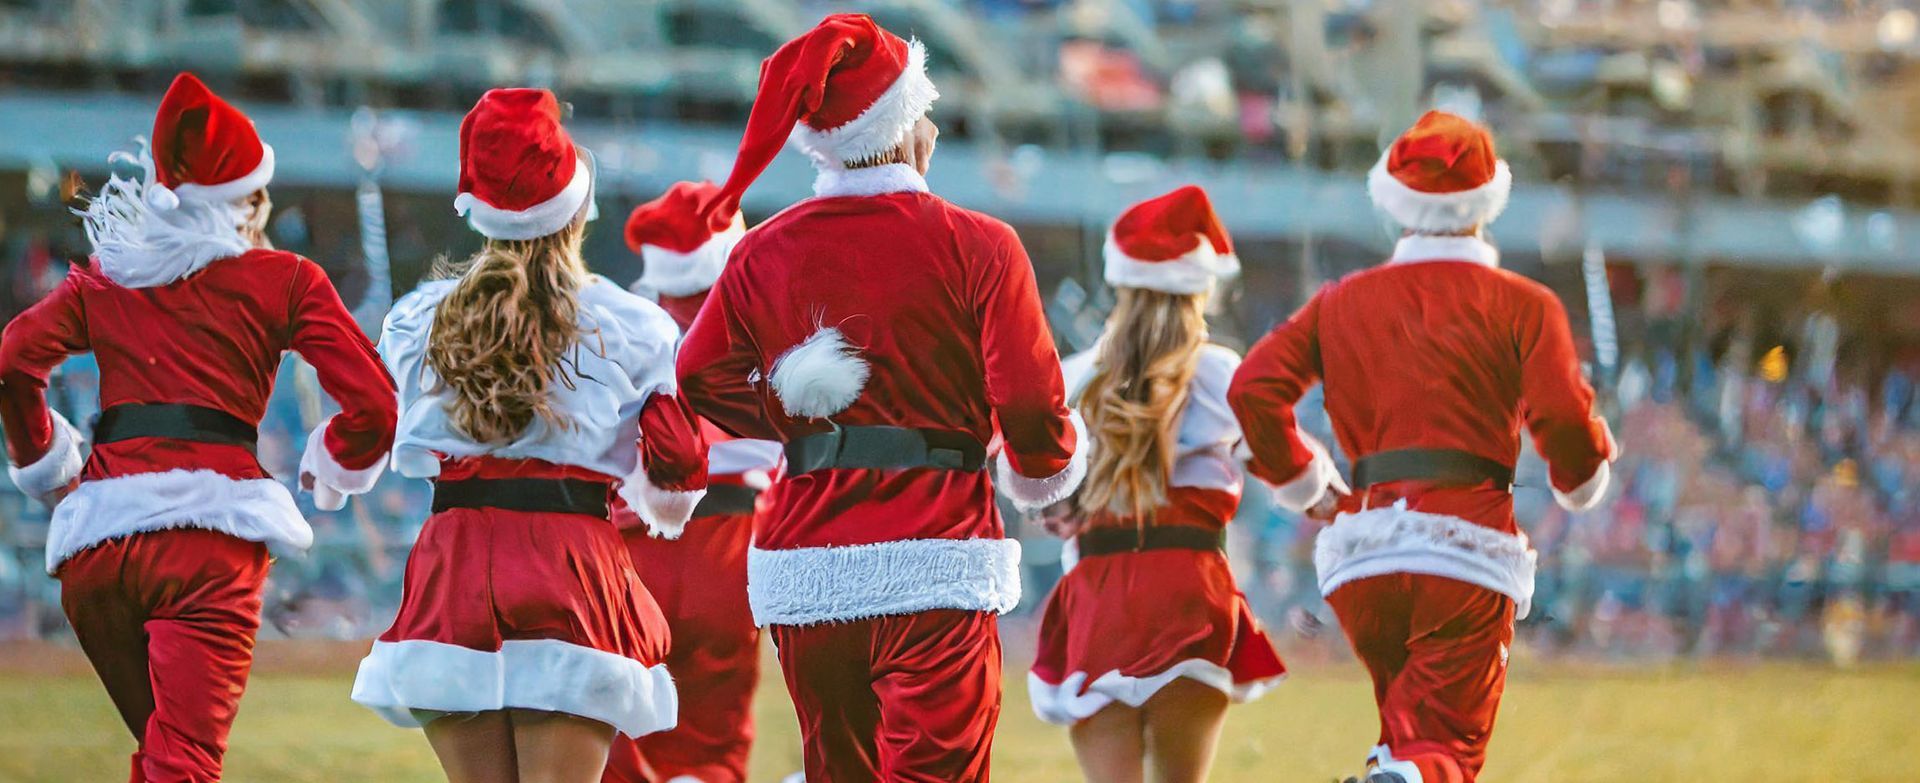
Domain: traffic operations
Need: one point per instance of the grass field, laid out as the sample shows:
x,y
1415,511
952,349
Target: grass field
x,y
1774,722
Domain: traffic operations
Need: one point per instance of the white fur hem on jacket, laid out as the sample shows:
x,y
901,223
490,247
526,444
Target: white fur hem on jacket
x,y
55,468
332,482
1589,493
397,678
105,509
1074,699
1394,539
1306,490
1032,494
665,511
829,584
881,126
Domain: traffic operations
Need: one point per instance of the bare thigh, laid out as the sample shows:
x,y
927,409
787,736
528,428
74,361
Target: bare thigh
x,y
1110,746
554,747
1183,725
474,747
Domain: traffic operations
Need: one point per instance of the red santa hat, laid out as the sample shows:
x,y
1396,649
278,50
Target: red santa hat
x,y
1173,243
684,250
520,175
1441,175
843,92
180,214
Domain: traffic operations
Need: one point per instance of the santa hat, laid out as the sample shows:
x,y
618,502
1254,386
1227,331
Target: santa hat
x,y
1441,175
684,250
520,175
180,215
1172,243
843,92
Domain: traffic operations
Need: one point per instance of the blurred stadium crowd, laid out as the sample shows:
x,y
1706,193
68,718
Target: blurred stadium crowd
x,y
1768,503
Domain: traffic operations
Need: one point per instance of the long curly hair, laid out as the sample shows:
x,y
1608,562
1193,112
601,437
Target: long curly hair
x,y
1132,403
501,337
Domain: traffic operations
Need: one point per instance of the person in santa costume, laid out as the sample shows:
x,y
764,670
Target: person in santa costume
x,y
161,547
531,391
1432,363
699,579
1146,638
886,337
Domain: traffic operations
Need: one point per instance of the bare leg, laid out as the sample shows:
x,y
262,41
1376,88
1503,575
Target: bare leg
x,y
474,747
1183,725
1109,745
554,747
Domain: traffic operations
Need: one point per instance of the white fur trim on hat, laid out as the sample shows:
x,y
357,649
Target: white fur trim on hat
x,y
1306,490
835,584
235,189
820,377
1192,273
1032,494
332,482
533,222
1420,211
669,273
882,125
397,678
55,468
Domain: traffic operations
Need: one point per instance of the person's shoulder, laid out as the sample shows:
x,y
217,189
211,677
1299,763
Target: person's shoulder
x,y
984,224
1215,357
623,313
417,306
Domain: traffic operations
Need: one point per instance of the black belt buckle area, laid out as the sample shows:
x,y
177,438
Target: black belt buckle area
x,y
726,500
174,421
1440,466
530,495
1121,540
884,448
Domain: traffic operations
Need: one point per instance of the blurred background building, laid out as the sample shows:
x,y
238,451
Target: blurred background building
x,y
1725,193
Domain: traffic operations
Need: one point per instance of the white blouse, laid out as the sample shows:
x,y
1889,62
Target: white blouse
x,y
625,356
1208,431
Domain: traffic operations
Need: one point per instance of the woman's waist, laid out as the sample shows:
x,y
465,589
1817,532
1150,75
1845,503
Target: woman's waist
x,y
486,467
160,455
1208,508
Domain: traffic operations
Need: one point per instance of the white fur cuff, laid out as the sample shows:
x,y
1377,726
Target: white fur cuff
x,y
331,481
1033,494
55,468
665,511
1307,489
1589,493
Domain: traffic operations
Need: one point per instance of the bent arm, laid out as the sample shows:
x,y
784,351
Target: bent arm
x,y
44,448
1044,458
1270,381
345,455
1574,440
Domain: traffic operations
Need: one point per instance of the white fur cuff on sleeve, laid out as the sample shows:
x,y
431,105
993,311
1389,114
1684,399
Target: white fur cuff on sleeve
x,y
332,482
1032,494
1307,489
665,511
54,469
1589,493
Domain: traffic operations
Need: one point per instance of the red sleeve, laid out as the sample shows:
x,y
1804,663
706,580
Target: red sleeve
x,y
35,342
1279,369
1559,403
673,452
716,359
1022,368
349,369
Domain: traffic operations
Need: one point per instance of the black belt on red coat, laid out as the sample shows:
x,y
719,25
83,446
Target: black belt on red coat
x,y
175,421
533,495
1439,466
885,448
1121,540
726,500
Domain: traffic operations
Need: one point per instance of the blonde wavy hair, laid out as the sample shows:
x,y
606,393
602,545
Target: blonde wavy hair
x,y
1132,404
501,337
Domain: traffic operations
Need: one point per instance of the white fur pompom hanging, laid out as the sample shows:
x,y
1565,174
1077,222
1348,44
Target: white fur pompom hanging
x,y
821,376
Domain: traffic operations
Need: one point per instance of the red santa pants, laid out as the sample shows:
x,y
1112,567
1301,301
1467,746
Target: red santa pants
x,y
905,699
168,620
700,582
1437,650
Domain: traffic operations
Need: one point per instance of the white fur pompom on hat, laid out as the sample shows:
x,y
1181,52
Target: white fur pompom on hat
x,y
821,376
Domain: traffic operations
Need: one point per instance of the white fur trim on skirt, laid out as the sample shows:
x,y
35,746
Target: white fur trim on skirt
x,y
1065,703
398,678
1394,540
105,509
830,584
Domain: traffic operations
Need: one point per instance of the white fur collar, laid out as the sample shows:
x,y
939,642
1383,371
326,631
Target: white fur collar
x,y
1415,248
871,181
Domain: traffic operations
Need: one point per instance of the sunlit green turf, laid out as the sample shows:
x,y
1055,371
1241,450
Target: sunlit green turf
x,y
1560,723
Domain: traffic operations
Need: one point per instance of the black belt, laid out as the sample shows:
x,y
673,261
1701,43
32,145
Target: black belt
x,y
1120,540
534,495
885,448
175,421
726,500
1440,466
